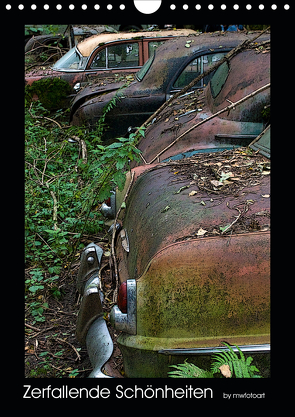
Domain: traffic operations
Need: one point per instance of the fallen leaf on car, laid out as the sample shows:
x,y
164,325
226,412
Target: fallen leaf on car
x,y
225,370
165,209
201,232
124,240
181,189
193,193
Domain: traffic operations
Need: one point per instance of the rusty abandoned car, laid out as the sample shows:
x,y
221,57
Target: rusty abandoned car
x,y
192,241
105,54
173,66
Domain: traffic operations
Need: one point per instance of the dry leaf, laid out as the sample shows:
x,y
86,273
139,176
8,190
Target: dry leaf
x,y
193,193
124,240
265,195
201,232
216,183
225,370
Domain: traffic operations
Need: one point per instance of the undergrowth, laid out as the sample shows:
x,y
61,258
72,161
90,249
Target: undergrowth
x,y
68,173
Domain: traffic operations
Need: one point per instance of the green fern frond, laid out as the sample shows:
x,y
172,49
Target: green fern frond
x,y
239,366
189,370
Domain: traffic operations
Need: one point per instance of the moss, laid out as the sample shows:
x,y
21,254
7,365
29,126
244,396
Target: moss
x,y
52,92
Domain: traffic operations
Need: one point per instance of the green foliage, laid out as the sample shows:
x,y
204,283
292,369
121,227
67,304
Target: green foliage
x,y
189,370
52,92
239,367
63,192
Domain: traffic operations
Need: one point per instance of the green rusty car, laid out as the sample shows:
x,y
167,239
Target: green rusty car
x,y
193,259
196,270
192,243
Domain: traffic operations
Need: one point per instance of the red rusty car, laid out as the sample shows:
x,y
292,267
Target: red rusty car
x,y
193,241
105,54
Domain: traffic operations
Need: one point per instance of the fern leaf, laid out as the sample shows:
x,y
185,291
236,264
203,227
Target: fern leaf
x,y
189,370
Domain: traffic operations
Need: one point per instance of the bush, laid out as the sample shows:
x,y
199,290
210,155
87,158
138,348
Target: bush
x,y
51,92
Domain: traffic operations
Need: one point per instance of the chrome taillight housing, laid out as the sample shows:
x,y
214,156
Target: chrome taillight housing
x,y
123,315
108,207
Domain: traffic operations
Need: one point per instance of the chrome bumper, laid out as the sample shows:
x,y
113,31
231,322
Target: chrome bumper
x,y
91,326
99,347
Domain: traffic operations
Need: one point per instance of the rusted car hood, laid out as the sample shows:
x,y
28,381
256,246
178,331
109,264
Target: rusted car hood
x,y
39,73
161,212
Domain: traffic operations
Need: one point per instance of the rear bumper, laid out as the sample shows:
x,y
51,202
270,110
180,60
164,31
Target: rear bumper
x,y
146,357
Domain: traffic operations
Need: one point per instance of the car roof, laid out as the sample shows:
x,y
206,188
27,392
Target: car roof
x,y
87,45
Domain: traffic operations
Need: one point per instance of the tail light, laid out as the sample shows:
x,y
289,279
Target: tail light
x,y
108,207
122,297
123,315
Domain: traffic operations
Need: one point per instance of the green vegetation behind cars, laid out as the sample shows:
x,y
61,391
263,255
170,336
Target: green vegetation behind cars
x,y
67,175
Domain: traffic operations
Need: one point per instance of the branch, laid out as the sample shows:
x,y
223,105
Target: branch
x,y
231,106
47,118
72,346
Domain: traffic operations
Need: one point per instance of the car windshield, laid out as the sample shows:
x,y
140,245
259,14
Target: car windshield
x,y
70,61
144,69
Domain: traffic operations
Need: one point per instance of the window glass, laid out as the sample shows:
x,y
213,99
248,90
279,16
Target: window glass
x,y
153,45
69,61
125,55
218,79
99,61
195,68
144,69
208,61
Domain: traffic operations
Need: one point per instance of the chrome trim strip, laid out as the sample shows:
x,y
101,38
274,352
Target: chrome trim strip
x,y
262,348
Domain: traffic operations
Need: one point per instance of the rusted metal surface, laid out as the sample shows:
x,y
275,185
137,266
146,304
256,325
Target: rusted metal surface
x,y
151,228
142,98
204,288
245,119
196,290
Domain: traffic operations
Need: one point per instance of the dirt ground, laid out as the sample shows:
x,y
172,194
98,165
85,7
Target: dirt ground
x,y
51,348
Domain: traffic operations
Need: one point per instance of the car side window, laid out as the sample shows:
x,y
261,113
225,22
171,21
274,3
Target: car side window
x,y
123,55
99,61
195,68
153,45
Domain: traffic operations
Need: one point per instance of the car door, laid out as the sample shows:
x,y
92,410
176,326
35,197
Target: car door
x,y
119,56
134,108
192,69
